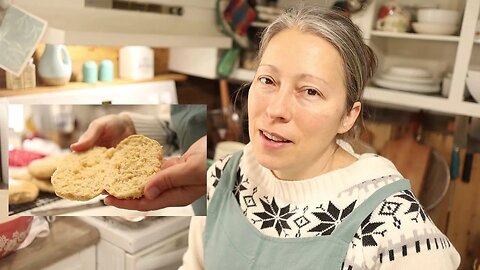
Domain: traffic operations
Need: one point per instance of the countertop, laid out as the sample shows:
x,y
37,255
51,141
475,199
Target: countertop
x,y
67,236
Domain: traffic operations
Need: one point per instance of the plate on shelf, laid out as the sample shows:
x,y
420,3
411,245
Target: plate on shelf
x,y
435,28
409,72
410,87
406,79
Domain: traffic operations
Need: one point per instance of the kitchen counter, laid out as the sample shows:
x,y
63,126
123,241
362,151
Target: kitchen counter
x,y
67,237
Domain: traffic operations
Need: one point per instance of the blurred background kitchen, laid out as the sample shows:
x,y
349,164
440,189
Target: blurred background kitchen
x,y
37,132
425,94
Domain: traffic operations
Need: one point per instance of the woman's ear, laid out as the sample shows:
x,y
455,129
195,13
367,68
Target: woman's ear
x,y
350,117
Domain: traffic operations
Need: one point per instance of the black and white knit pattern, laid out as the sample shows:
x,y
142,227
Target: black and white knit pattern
x,y
397,227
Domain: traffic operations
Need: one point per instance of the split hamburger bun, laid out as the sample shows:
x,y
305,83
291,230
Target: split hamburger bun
x,y
134,161
21,191
122,171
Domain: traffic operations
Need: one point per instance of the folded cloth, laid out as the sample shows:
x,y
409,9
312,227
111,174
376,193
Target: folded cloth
x,y
20,32
39,228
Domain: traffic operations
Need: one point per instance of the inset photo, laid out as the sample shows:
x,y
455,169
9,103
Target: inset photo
x,y
105,160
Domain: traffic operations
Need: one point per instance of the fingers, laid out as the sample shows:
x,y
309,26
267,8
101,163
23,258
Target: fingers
x,y
171,198
170,162
88,139
181,174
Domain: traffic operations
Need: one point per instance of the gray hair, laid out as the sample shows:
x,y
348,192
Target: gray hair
x,y
359,61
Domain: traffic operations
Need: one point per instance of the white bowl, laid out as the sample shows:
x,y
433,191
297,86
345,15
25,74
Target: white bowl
x,y
411,72
473,84
435,28
443,16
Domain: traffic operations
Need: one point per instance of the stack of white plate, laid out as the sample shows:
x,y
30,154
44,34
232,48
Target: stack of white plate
x,y
410,79
437,21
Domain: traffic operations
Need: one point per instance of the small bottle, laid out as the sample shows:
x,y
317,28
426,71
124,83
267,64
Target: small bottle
x,y
29,79
90,72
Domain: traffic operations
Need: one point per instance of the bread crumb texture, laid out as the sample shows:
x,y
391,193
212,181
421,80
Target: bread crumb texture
x,y
135,160
122,171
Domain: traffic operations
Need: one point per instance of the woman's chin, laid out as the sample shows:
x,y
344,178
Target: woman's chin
x,y
269,161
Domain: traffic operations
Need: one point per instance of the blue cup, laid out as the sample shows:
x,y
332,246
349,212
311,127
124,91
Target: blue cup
x,y
90,72
106,70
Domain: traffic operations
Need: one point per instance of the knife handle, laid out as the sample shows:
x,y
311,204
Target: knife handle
x,y
467,167
455,162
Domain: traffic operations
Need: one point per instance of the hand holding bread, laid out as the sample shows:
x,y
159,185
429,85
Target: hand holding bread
x,y
179,182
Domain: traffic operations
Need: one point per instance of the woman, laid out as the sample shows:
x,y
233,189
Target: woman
x,y
295,199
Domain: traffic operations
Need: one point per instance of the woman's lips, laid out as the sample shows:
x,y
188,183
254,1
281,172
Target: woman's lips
x,y
273,137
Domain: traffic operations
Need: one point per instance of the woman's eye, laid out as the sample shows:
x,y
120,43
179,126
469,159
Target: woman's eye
x,y
312,92
265,80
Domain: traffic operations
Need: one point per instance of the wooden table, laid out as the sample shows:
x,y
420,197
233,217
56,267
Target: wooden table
x,y
68,235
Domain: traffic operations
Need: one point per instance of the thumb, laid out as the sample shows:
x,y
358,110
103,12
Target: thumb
x,y
168,178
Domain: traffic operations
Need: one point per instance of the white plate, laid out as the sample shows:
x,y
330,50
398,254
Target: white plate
x,y
411,87
435,28
414,80
410,72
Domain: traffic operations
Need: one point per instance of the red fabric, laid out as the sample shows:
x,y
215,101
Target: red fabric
x,y
21,158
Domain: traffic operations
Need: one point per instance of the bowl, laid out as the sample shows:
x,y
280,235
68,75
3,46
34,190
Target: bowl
x,y
442,16
435,28
13,233
473,84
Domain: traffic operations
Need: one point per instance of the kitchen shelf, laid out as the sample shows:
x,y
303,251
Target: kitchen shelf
x,y
419,101
82,85
107,27
398,98
416,36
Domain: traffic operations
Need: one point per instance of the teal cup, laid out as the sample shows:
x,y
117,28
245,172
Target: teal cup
x,y
90,72
106,70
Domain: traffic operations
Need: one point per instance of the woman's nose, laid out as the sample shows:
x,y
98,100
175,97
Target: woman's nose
x,y
279,106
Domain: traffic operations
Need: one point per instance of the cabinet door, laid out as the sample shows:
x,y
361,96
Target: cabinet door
x,y
166,255
84,260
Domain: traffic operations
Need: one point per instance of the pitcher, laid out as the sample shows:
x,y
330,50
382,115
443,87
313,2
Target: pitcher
x,y
55,66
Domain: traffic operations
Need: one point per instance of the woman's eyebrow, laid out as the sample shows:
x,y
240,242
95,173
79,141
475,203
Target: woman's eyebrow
x,y
310,76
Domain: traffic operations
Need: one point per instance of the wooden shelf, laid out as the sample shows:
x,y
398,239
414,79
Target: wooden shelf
x,y
419,101
74,25
416,36
82,85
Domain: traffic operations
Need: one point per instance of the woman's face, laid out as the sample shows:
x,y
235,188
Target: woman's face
x,y
296,105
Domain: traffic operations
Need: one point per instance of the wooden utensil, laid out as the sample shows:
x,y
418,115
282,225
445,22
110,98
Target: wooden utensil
x,y
233,127
410,157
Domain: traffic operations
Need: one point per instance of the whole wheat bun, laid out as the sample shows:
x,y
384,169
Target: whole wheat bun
x,y
43,185
43,168
122,171
21,191
80,176
135,160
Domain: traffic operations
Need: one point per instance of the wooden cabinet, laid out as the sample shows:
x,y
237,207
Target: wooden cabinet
x,y
83,260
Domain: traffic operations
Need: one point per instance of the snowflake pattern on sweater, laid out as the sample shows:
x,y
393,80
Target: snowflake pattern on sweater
x,y
397,227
